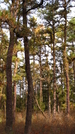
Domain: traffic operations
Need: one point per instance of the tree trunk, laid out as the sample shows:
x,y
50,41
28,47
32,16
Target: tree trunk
x,y
74,71
66,66
14,91
9,84
49,105
74,65
28,75
9,118
58,108
41,97
54,71
14,101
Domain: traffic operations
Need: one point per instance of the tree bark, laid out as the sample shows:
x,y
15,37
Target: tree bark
x,y
28,75
49,105
74,71
54,71
14,90
27,67
9,118
9,84
14,101
41,97
74,66
66,66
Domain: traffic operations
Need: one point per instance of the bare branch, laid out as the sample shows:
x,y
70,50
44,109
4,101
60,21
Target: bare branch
x,y
35,6
39,107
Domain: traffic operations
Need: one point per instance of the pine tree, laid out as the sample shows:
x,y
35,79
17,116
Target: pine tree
x,y
3,52
51,21
28,72
65,61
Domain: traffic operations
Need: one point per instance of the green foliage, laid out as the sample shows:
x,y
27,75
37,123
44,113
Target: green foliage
x,y
20,103
17,77
71,30
6,16
33,22
3,52
45,98
41,104
14,58
2,101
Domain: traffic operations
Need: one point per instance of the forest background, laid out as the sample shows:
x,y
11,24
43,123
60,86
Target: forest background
x,y
37,60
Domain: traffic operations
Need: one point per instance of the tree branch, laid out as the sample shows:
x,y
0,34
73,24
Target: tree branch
x,y
35,6
39,107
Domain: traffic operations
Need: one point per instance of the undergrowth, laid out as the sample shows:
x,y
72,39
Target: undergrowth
x,y
61,124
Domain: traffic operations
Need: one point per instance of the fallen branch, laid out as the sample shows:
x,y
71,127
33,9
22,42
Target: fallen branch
x,y
39,107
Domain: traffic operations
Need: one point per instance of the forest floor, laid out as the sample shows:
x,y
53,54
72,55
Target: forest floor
x,y
60,124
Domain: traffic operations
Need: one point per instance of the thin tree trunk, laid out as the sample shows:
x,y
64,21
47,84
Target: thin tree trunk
x,y
30,90
74,65
9,118
54,71
49,104
41,97
66,62
28,75
9,84
58,108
